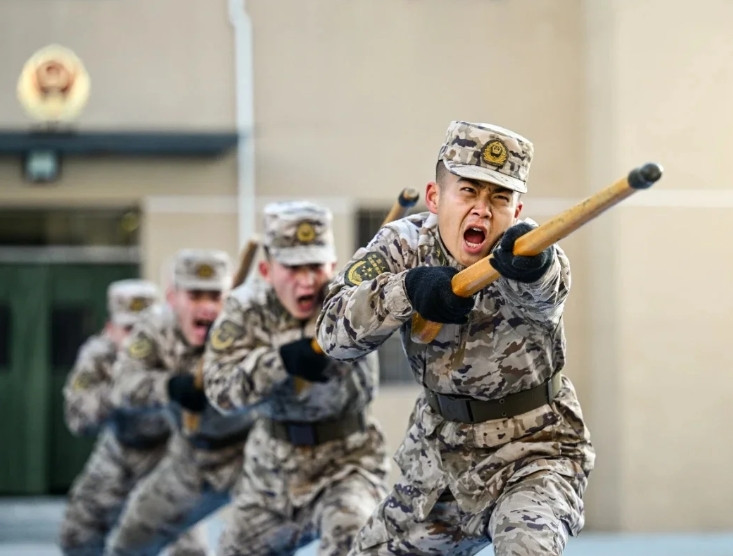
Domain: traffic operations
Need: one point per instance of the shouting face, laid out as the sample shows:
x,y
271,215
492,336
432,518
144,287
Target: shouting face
x,y
196,311
299,288
472,214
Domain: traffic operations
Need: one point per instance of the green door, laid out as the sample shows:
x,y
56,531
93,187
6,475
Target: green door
x,y
24,384
51,310
77,309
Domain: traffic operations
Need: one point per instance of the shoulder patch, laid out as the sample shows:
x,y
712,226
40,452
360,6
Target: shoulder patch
x,y
224,335
140,348
367,268
82,381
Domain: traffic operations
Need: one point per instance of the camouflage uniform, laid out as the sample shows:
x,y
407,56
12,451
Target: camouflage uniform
x,y
129,445
518,481
198,471
294,488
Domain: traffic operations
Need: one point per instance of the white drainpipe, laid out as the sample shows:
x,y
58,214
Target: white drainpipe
x,y
244,87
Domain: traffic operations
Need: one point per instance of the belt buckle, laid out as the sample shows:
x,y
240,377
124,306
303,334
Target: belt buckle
x,y
455,409
301,434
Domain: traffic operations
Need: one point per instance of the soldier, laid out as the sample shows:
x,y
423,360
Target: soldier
x,y
129,446
497,450
155,372
315,463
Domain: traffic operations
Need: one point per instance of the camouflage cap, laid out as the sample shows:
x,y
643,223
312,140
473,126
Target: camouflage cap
x,y
299,232
487,152
127,299
202,269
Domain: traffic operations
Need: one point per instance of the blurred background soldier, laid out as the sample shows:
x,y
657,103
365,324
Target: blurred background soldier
x,y
315,463
130,444
156,372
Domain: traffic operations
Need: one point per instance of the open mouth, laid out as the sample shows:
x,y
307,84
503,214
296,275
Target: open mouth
x,y
202,325
474,238
306,303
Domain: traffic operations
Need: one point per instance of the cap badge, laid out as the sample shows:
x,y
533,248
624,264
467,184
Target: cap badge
x,y
305,232
494,153
137,304
204,271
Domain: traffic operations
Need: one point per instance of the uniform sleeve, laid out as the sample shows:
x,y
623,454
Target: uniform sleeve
x,y
543,300
87,389
367,301
140,380
241,366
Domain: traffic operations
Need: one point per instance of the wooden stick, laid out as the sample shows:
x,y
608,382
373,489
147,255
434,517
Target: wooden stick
x,y
407,198
481,274
191,419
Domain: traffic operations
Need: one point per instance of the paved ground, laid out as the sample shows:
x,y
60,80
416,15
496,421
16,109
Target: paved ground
x,y
28,528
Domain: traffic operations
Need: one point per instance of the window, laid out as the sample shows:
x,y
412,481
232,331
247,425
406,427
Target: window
x,y
72,227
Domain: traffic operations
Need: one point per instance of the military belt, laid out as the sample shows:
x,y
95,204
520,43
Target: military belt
x,y
311,434
465,409
211,443
142,442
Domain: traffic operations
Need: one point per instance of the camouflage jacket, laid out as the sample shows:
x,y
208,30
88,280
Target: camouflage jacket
x,y
155,351
86,392
514,340
243,368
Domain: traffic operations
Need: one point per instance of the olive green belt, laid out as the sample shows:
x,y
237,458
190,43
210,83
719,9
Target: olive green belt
x,y
465,409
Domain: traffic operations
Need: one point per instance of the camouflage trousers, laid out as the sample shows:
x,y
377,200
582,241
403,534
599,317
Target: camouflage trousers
x,y
335,516
173,498
98,496
528,518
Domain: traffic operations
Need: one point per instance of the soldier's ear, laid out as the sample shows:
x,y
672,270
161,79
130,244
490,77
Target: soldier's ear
x,y
170,295
432,196
264,268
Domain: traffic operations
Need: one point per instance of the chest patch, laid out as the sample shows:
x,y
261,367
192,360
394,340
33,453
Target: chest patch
x,y
140,348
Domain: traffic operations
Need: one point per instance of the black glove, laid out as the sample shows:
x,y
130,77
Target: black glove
x,y
517,267
300,360
429,291
182,389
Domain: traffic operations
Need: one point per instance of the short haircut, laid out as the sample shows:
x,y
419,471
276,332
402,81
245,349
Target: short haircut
x,y
441,171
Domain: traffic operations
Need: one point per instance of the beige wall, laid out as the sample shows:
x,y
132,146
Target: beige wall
x,y
162,64
659,78
351,103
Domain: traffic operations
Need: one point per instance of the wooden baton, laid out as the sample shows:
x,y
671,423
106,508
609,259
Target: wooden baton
x,y
480,274
191,419
407,198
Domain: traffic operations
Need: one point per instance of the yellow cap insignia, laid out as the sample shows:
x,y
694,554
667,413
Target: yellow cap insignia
x,y
204,271
223,337
494,153
366,268
305,232
137,304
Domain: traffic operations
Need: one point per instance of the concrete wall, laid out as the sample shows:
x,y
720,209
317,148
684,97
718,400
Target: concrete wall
x,y
351,103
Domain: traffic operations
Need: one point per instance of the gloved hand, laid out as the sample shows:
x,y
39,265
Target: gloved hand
x,y
182,389
429,291
518,267
300,360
